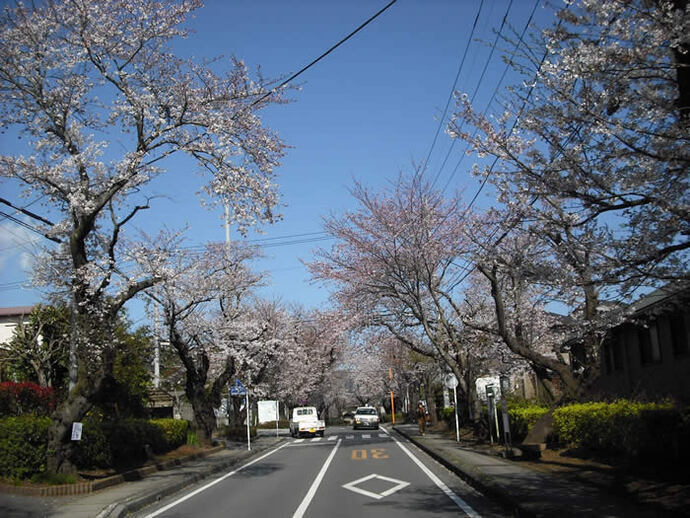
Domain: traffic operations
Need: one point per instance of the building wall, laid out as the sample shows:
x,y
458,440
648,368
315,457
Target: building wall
x,y
648,361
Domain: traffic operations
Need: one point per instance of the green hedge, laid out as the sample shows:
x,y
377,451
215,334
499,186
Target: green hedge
x,y
23,442
123,443
626,427
174,433
522,418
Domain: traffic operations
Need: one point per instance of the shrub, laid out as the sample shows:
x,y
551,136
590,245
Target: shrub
x,y
522,418
93,450
23,442
239,433
271,425
448,415
174,433
25,399
53,478
123,443
628,427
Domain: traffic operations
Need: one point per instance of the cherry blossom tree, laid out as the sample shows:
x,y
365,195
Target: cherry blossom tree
x,y
593,148
591,173
103,103
399,264
307,372
215,330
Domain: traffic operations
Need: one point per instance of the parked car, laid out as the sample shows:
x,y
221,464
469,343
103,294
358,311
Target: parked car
x,y
365,417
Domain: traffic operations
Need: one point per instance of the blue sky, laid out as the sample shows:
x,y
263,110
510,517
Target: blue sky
x,y
368,111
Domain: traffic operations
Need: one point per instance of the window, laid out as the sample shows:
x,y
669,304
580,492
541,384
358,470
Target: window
x,y
650,351
613,354
679,334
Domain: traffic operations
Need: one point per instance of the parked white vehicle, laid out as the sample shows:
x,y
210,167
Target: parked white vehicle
x,y
305,421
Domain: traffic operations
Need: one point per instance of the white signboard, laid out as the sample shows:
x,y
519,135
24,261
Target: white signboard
x,y
76,431
267,411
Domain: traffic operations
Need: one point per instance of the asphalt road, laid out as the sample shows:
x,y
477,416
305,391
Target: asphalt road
x,y
347,473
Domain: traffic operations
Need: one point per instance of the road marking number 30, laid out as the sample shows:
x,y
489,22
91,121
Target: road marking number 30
x,y
377,453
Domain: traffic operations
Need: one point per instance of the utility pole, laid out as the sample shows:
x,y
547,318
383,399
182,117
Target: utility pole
x,y
390,377
156,350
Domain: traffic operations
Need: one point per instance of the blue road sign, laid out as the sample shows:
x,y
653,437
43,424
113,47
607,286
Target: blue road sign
x,y
238,389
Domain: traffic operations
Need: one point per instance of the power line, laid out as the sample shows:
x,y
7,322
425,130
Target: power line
x,y
452,90
28,226
314,62
495,92
479,82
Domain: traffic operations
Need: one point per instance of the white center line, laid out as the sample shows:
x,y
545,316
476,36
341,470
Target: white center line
x,y
299,513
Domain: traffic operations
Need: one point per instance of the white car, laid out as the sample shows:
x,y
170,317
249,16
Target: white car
x,y
305,421
365,417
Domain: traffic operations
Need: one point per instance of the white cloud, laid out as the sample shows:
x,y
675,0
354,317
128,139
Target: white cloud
x,y
17,245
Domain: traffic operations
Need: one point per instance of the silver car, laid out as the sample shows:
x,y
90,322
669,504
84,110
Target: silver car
x,y
365,417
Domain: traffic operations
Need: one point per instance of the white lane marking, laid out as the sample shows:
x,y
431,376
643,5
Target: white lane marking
x,y
316,439
213,483
398,485
299,513
349,436
332,438
455,498
383,435
366,436
297,441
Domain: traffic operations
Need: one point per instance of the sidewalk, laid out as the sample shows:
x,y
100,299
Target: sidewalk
x,y
128,497
524,491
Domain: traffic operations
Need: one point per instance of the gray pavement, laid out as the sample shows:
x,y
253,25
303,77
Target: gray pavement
x,y
523,491
128,497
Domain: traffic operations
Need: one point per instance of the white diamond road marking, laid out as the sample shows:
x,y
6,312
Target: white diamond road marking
x,y
382,435
366,436
316,439
349,436
352,486
332,437
299,440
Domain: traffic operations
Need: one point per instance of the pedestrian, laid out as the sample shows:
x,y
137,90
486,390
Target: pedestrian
x,y
421,418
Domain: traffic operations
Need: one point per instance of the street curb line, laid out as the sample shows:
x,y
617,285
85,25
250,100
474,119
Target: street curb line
x,y
488,489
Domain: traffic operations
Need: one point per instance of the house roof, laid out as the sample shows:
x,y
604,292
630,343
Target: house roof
x,y
672,293
15,311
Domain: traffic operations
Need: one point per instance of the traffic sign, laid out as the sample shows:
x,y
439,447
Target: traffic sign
x,y
451,381
238,389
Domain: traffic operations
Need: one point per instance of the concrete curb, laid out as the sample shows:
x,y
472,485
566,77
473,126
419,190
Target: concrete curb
x,y
477,480
138,502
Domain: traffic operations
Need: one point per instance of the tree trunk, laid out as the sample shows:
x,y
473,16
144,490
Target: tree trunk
x,y
60,445
204,416
430,400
